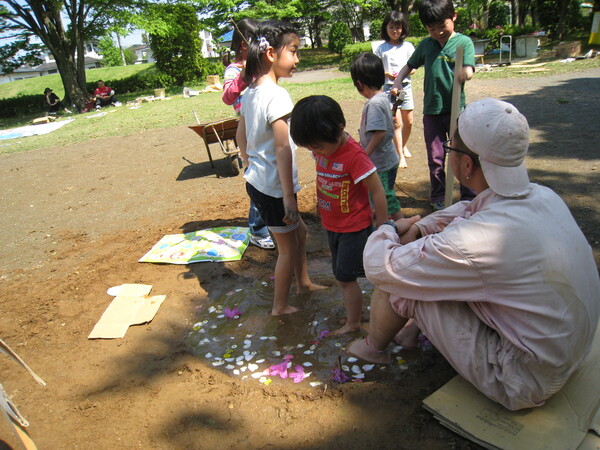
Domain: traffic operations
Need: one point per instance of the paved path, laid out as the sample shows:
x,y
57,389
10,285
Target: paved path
x,y
308,76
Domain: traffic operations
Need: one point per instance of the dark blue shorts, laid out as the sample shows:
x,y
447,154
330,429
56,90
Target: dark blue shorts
x,y
271,210
347,253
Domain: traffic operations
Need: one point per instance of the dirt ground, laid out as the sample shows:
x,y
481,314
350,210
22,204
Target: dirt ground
x,y
75,220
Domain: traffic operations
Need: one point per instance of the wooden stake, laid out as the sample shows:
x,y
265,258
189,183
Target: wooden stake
x,y
454,111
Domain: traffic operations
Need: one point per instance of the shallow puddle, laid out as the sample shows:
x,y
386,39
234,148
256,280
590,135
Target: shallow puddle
x,y
236,334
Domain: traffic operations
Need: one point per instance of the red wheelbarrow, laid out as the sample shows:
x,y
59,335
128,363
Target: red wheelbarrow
x,y
222,132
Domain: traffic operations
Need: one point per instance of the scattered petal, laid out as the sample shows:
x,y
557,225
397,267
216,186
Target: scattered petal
x,y
360,376
355,369
260,361
352,359
218,363
323,334
252,367
229,366
299,374
315,383
208,355
307,364
368,367
232,313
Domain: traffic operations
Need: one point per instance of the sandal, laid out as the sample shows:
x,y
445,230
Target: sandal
x,y
263,242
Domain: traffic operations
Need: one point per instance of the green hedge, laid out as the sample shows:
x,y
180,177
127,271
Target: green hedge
x,y
351,51
22,105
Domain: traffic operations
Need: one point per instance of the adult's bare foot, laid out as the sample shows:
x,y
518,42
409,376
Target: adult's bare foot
x,y
287,310
363,350
408,336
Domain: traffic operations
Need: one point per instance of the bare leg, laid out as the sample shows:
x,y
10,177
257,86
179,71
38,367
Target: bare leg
x,y
353,301
398,139
407,123
303,283
284,268
408,336
385,323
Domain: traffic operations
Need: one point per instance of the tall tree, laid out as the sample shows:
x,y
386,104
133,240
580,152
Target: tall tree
x,y
64,26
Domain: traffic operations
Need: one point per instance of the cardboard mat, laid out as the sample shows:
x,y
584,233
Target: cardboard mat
x,y
131,306
569,420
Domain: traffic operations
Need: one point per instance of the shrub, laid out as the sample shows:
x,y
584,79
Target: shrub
x,y
375,29
416,27
21,105
145,80
351,51
339,37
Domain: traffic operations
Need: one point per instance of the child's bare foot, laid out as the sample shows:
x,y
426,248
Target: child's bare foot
x,y
403,164
407,153
363,350
309,288
408,336
286,310
345,329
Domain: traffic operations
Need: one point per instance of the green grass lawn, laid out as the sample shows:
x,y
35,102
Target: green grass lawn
x,y
208,106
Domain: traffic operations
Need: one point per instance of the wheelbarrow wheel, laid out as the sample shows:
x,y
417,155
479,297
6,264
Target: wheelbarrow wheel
x,y
236,165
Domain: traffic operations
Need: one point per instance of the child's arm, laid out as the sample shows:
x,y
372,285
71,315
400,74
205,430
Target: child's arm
x,y
404,72
375,188
465,74
232,89
377,138
240,137
283,153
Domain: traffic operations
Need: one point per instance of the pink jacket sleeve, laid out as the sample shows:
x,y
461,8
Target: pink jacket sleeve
x,y
232,89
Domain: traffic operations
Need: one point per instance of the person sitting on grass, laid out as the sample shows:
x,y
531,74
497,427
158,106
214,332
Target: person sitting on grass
x,y
345,177
104,95
505,286
53,102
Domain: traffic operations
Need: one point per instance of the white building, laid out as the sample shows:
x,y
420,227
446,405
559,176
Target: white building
x,y
48,67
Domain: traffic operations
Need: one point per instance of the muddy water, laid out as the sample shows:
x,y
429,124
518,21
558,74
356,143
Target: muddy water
x,y
235,333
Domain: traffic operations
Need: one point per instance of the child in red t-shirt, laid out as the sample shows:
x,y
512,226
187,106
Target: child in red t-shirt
x,y
345,177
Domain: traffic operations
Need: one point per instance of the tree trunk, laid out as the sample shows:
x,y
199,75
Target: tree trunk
x,y
121,49
562,20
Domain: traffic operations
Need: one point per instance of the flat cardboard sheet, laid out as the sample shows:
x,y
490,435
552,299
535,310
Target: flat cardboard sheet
x,y
562,423
130,307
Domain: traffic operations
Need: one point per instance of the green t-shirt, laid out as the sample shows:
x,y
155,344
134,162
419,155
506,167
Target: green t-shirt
x,y
439,70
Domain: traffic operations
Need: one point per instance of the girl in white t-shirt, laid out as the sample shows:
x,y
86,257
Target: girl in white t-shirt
x,y
269,153
395,52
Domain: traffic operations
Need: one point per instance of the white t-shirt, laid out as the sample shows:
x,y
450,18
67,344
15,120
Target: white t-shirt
x,y
262,106
394,57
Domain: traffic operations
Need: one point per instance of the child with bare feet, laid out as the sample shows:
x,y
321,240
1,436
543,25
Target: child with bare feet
x,y
345,177
263,137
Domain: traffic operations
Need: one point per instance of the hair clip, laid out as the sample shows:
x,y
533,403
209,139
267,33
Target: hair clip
x,y
263,44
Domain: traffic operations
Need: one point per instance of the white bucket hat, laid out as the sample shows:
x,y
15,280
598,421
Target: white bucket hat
x,y
499,134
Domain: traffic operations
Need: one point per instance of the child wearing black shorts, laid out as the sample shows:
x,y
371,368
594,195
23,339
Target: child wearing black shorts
x,y
345,177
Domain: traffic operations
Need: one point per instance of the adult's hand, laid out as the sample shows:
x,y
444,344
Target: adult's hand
x,y
407,230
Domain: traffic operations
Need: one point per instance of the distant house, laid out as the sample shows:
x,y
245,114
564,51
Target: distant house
x,y
91,61
209,48
143,53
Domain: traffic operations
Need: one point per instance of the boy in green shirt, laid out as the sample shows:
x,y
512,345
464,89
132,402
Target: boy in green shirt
x,y
437,54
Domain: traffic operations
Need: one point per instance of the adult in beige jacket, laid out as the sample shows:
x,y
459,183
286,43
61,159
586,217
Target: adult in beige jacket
x,y
504,286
